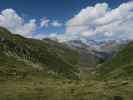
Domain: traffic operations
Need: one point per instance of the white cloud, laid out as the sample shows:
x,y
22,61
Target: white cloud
x,y
56,23
16,24
102,20
45,22
90,22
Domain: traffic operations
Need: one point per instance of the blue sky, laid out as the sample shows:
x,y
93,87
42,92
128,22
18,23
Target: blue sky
x,y
53,9
55,13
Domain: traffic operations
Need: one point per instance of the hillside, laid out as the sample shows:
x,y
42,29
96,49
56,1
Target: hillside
x,y
47,70
120,66
19,52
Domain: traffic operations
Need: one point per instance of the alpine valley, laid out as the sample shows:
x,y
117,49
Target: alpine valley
x,y
46,69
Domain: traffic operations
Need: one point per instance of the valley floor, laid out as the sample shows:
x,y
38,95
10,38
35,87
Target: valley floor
x,y
50,89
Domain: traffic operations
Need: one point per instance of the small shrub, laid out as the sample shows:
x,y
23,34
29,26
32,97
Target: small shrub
x,y
118,98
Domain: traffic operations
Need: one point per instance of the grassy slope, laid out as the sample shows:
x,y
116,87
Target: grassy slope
x,y
120,66
49,89
20,81
37,85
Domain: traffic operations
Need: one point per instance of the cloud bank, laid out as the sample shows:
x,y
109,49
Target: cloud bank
x,y
92,22
100,20
16,24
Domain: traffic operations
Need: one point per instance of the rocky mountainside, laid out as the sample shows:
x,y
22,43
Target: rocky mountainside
x,y
103,49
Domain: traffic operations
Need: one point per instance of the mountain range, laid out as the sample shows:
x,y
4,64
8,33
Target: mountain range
x,y
32,69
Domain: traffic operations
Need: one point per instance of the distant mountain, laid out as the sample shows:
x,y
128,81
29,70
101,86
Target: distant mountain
x,y
45,56
100,49
87,56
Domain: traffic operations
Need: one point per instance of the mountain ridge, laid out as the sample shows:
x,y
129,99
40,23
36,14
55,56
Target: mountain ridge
x,y
41,52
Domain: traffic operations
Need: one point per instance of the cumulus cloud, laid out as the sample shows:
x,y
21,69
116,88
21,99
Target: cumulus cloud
x,y
56,23
16,24
102,20
45,22
93,21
